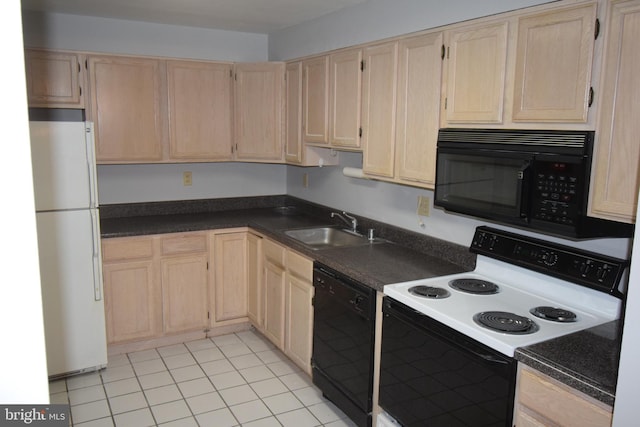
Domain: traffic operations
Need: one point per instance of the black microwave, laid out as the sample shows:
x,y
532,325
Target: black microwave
x,y
527,178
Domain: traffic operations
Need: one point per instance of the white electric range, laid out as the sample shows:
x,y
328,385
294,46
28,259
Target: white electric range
x,y
514,275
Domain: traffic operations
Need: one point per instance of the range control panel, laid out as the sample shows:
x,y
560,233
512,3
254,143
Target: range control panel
x,y
586,268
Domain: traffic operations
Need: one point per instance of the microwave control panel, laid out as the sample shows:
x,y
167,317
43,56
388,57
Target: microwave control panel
x,y
557,194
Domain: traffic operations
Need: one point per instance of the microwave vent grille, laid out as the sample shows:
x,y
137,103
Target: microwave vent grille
x,y
573,139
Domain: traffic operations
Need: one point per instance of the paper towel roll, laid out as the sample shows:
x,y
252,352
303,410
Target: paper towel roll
x,y
354,173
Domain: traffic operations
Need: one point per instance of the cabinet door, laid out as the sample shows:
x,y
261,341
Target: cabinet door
x,y
617,154
200,110
476,74
184,293
131,300
259,109
255,297
316,100
128,106
418,110
553,65
133,306
54,79
379,89
230,283
345,96
293,125
299,310
274,279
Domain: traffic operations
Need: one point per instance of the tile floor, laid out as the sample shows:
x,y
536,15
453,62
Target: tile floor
x,y
238,379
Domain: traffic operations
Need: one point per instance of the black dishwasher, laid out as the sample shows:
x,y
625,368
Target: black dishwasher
x,y
343,337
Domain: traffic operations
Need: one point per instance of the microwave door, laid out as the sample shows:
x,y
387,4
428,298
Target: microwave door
x,y
492,186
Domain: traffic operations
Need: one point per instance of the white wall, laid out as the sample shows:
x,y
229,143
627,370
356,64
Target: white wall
x,y
23,367
143,183
379,19
74,32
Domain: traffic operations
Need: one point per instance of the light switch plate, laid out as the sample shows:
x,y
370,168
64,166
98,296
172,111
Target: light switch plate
x,y
187,178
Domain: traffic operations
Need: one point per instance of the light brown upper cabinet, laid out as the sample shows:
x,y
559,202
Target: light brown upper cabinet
x,y
315,112
128,106
54,79
379,93
345,79
476,72
259,111
554,55
200,110
418,108
615,176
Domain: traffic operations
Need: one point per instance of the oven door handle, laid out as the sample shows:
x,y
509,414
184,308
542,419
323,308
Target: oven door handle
x,y
489,358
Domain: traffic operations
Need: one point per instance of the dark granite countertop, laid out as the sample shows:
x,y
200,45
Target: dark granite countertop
x,y
403,256
586,361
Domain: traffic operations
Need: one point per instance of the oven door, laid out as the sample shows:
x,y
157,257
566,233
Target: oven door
x,y
489,184
432,375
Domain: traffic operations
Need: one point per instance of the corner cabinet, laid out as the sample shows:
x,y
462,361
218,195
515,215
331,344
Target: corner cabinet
x,y
476,73
554,56
200,110
543,401
55,79
615,176
128,107
259,111
229,277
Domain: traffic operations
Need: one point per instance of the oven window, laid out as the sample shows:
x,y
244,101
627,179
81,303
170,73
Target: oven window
x,y
480,183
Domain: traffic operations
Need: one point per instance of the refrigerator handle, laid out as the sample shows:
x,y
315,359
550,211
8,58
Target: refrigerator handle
x,y
97,258
91,164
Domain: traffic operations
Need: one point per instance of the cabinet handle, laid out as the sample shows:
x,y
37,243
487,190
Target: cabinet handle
x,y
597,29
442,50
590,96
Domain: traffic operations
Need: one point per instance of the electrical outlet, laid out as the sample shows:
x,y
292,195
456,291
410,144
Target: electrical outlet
x,y
187,178
305,180
423,206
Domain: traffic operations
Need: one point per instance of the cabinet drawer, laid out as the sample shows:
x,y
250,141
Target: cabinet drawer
x,y
559,403
128,248
300,266
274,252
184,243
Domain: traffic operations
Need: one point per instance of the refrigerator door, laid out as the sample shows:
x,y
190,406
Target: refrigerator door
x,y
74,318
63,165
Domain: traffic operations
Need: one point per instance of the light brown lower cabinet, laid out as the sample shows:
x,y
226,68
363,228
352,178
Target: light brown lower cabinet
x,y
544,401
166,285
285,296
132,296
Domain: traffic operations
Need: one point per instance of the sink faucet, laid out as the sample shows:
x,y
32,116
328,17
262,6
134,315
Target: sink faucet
x,y
352,221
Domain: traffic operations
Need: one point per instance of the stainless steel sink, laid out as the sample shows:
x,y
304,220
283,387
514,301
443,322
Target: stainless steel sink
x,y
329,237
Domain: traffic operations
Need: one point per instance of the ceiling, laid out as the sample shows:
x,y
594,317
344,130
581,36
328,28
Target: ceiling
x,y
254,16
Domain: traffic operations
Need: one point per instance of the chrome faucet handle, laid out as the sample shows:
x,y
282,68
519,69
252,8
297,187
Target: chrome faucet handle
x,y
349,219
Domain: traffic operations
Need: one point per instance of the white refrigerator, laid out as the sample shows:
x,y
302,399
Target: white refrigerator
x,y
68,222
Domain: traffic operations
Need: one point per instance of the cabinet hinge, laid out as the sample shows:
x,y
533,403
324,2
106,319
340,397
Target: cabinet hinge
x,y
597,29
313,300
448,49
80,90
79,67
231,73
208,315
207,265
445,103
591,95
360,132
362,65
442,51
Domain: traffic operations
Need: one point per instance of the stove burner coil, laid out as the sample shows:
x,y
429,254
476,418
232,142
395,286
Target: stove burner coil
x,y
509,323
432,292
554,314
474,286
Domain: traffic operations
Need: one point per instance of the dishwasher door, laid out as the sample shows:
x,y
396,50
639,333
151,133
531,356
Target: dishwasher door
x,y
343,337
